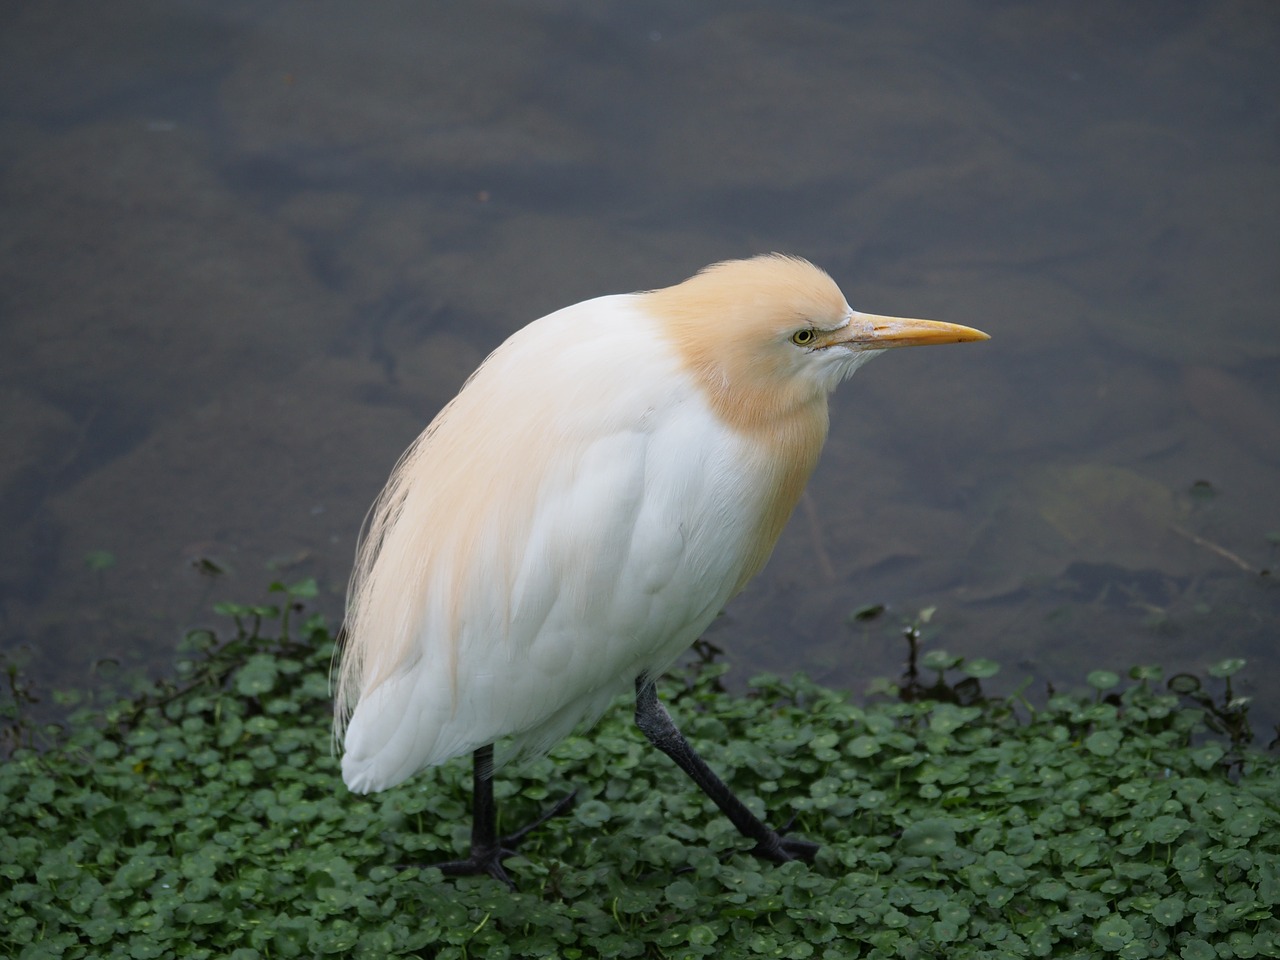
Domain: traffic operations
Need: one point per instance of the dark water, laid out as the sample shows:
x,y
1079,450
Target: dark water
x,y
247,251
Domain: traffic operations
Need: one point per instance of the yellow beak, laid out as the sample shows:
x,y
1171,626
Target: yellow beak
x,y
867,331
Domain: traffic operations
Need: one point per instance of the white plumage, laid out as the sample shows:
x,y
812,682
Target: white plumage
x,y
579,513
614,545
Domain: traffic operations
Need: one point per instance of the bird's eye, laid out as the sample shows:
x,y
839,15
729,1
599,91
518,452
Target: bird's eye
x,y
802,338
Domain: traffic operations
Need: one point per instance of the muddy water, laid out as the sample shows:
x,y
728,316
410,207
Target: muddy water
x,y
246,253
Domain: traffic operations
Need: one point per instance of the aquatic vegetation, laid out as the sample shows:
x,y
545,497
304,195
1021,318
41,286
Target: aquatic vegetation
x,y
205,817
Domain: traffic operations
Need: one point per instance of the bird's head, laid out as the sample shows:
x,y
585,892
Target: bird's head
x,y
770,337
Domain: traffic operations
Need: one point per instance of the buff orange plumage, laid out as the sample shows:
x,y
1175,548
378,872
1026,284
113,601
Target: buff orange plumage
x,y
566,527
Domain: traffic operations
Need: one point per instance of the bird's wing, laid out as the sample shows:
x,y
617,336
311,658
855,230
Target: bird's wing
x,y
562,532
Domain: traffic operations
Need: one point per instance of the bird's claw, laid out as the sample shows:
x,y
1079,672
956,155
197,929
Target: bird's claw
x,y
488,861
777,847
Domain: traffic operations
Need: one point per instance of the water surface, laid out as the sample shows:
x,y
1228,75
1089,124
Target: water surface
x,y
248,252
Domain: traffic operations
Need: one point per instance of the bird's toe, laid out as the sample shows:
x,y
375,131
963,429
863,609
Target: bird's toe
x,y
480,863
778,848
562,806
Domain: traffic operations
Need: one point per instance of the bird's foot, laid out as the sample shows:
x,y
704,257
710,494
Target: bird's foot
x,y
777,847
486,858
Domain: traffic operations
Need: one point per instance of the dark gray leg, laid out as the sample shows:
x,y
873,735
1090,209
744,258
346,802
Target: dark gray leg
x,y
656,724
488,849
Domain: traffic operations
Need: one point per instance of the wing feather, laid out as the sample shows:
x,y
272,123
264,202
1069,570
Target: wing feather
x,y
542,543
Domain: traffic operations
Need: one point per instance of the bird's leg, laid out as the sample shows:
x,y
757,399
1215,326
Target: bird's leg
x,y
656,724
488,850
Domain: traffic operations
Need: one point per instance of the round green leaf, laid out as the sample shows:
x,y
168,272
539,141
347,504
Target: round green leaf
x,y
980,668
1113,933
938,660
257,676
1227,668
1169,911
1197,949
1144,672
1103,679
593,813
928,838
1102,743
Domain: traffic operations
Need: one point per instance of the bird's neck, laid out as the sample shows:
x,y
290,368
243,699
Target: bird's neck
x,y
784,456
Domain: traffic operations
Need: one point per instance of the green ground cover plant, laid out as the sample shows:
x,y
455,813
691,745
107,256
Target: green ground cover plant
x,y
204,817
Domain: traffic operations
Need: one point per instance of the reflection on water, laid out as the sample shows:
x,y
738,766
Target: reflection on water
x,y
247,254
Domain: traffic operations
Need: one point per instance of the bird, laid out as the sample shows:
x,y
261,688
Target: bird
x,y
574,518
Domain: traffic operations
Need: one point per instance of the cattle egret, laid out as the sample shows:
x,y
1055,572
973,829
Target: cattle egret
x,y
579,513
